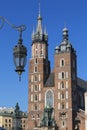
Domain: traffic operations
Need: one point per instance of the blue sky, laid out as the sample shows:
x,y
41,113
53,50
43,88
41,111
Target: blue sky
x,y
56,14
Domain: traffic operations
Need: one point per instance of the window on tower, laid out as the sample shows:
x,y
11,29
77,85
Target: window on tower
x,y
62,85
35,97
36,60
62,96
36,78
63,75
35,69
62,106
49,98
62,62
35,88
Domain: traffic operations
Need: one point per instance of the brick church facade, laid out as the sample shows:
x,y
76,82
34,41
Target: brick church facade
x,y
59,90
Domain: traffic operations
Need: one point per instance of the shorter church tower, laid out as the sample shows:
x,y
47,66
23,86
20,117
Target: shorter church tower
x,y
65,84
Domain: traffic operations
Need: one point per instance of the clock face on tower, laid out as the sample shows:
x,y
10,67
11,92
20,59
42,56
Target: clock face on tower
x,y
49,99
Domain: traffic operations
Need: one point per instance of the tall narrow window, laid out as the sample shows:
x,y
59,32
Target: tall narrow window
x,y
63,76
62,106
36,78
35,88
49,98
62,96
35,97
35,60
62,85
62,63
35,69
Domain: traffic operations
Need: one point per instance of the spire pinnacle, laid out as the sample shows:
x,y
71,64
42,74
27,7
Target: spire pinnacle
x,y
39,9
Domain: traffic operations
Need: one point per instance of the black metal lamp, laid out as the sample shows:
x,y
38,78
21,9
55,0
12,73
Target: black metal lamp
x,y
19,54
19,51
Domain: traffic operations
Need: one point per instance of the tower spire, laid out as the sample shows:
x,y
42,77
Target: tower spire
x,y
39,9
39,24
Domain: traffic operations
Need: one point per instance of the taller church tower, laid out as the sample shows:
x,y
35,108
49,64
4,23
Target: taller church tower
x,y
56,89
39,70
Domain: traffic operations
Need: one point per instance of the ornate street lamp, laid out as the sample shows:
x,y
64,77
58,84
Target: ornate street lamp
x,y
19,51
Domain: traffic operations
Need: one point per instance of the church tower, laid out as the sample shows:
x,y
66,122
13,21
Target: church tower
x,y
65,84
39,70
54,90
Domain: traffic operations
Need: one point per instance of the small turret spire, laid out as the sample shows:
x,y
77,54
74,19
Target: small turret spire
x,y
65,34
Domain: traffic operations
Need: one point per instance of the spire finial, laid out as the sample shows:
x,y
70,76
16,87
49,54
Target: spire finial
x,y
39,9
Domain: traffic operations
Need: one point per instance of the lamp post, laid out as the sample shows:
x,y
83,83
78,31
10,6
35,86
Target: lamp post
x,y
19,51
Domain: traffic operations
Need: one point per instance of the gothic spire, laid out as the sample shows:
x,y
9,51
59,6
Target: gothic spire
x,y
39,24
39,34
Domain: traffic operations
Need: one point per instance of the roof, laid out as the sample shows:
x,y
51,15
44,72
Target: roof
x,y
50,80
82,84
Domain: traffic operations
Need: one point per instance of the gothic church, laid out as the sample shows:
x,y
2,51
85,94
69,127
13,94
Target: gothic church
x,y
57,99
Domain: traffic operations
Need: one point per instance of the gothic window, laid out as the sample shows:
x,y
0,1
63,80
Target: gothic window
x,y
62,63
35,60
36,78
35,69
62,106
49,98
63,75
63,123
35,88
35,97
62,85
62,96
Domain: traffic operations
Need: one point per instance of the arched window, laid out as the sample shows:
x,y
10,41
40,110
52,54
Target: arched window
x,y
49,99
62,62
62,84
63,75
62,106
35,97
62,95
